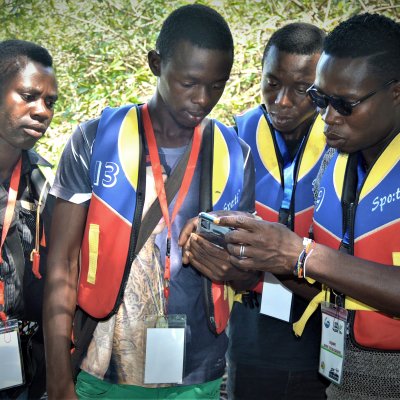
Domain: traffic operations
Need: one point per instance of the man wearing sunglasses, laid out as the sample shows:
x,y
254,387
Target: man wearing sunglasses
x,y
342,106
357,214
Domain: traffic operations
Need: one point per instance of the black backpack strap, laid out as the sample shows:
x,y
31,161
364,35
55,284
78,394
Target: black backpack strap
x,y
348,208
206,168
14,244
207,154
348,201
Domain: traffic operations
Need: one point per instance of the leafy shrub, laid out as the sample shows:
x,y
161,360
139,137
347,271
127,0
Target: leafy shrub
x,y
100,48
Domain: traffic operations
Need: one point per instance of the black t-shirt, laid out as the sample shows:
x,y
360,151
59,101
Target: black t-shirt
x,y
263,341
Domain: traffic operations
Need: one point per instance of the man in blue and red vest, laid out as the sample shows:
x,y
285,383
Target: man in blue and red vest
x,y
286,138
356,252
112,170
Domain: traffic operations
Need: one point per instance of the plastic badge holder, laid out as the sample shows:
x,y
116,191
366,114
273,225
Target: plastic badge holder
x,y
11,365
165,349
333,341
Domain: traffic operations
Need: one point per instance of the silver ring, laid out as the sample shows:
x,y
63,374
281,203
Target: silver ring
x,y
241,252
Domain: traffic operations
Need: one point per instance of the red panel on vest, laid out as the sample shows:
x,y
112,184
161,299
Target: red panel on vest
x,y
324,237
221,306
99,299
372,329
266,213
259,286
303,221
380,245
375,330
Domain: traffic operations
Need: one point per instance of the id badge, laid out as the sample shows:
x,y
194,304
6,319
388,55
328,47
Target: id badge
x,y
11,365
333,339
165,349
276,300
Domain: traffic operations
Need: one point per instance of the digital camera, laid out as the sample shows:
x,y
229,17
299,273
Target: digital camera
x,y
214,233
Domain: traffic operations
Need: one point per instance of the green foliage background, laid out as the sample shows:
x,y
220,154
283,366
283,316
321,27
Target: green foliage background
x,y
100,48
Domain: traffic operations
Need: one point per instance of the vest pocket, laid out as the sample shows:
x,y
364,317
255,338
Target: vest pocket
x,y
93,237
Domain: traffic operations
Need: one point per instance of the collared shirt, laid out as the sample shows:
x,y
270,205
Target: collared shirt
x,y
16,269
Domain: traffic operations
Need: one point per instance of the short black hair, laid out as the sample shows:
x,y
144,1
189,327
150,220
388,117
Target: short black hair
x,y
198,24
15,54
368,35
297,38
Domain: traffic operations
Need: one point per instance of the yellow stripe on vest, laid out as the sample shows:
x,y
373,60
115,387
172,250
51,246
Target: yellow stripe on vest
x,y
221,167
129,146
265,144
338,174
314,148
396,258
383,165
94,233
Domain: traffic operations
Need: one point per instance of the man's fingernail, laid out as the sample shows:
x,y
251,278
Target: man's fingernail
x,y
188,255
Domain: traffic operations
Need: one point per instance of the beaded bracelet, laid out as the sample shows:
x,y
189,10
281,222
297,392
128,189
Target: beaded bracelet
x,y
308,246
305,263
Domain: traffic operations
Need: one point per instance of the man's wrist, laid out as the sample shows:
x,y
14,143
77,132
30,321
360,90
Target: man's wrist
x,y
248,283
293,256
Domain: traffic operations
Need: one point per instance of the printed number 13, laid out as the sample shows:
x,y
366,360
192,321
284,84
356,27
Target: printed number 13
x,y
107,174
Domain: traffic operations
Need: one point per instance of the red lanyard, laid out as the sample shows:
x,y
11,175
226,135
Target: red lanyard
x,y
12,199
160,188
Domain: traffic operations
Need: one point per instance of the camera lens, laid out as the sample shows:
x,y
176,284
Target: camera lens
x,y
205,224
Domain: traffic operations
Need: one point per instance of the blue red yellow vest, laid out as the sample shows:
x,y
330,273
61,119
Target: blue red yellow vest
x,y
254,128
114,174
375,225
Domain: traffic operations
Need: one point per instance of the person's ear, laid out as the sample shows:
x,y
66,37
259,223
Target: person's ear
x,y
154,60
396,92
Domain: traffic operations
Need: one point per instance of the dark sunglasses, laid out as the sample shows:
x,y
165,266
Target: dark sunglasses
x,y
342,106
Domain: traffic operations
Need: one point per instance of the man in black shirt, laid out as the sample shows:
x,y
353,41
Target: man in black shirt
x,y
28,92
